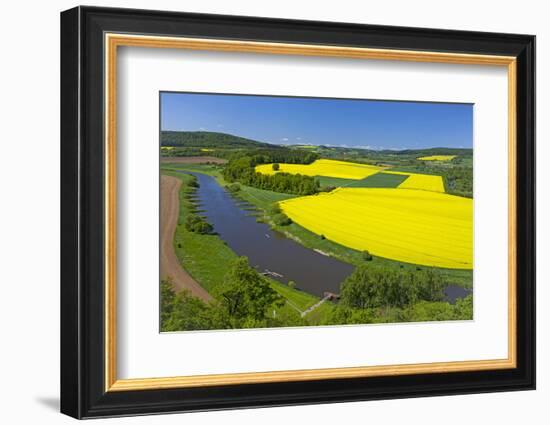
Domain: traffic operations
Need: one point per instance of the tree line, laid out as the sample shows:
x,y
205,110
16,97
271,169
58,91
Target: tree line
x,y
369,287
242,170
381,295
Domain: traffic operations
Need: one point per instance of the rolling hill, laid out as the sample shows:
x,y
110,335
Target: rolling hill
x,y
208,139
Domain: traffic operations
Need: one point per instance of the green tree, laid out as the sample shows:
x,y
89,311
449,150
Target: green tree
x,y
246,295
183,312
464,308
167,296
275,167
431,286
195,223
281,219
360,289
369,287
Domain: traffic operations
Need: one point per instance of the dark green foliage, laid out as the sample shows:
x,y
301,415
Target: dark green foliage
x,y
193,183
348,316
274,209
459,181
182,151
322,237
464,308
430,285
367,256
244,300
167,296
281,154
246,295
276,167
233,187
242,170
372,287
373,304
182,311
207,139
197,224
281,219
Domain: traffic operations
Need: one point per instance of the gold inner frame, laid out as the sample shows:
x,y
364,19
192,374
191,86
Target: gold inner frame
x,y
113,41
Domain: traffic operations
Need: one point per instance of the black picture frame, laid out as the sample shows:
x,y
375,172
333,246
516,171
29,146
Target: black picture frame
x,y
82,219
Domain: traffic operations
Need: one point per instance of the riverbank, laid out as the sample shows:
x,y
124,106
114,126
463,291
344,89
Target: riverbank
x,y
170,268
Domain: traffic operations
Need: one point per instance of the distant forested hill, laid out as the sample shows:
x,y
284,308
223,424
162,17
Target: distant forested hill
x,y
430,151
208,139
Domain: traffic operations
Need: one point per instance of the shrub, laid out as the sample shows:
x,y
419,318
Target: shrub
x,y
367,256
322,236
197,224
275,167
281,219
291,284
274,209
233,187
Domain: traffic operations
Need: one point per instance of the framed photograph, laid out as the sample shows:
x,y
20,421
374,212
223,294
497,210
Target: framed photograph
x,y
261,212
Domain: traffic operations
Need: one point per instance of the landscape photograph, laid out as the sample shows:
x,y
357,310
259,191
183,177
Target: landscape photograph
x,y
279,211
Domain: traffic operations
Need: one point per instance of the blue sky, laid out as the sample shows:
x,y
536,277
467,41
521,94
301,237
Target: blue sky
x,y
367,124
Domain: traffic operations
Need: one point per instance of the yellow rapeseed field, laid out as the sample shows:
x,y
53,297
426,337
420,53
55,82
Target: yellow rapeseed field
x,y
413,226
437,158
325,167
420,181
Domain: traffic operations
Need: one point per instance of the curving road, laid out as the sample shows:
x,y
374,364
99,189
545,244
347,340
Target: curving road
x,y
169,264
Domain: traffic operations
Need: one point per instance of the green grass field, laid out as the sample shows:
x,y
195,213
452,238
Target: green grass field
x,y
261,198
376,180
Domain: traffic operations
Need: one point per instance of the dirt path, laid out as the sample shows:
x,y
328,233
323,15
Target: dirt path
x,y
169,264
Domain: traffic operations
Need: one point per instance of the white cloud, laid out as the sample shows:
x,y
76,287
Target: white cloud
x,y
284,139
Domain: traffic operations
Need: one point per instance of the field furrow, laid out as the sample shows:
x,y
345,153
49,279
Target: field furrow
x,y
414,226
